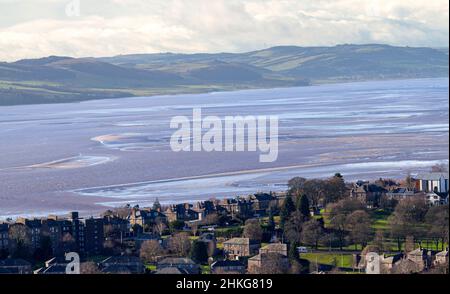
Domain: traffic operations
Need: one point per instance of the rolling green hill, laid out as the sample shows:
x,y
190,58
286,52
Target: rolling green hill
x,y
63,79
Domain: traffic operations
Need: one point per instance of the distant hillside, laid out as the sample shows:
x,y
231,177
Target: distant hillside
x,y
62,79
317,64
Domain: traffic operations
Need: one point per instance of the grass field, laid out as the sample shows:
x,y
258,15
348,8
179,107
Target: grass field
x,y
380,219
327,258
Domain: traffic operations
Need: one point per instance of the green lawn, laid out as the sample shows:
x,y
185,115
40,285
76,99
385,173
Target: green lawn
x,y
380,225
329,258
380,219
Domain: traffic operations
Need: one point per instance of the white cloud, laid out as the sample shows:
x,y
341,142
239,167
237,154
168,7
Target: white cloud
x,y
138,26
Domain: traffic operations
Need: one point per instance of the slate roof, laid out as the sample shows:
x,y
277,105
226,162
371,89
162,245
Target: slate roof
x,y
176,261
418,252
239,241
401,191
264,197
171,271
56,269
14,262
227,263
392,259
122,259
442,253
275,247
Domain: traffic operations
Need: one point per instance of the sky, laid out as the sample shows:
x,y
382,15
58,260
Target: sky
x,y
81,28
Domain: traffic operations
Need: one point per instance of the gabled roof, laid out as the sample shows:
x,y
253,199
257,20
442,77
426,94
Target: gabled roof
x,y
264,197
418,252
402,191
275,247
176,261
172,271
442,253
14,262
262,256
55,269
56,260
239,241
432,194
256,257
227,263
145,213
392,259
122,259
373,188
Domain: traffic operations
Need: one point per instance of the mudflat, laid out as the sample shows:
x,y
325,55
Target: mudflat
x,y
93,155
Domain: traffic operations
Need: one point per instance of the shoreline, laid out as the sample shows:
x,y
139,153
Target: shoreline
x,y
238,89
97,207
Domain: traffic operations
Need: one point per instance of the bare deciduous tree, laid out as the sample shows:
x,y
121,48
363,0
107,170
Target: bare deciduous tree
x,y
437,220
180,244
358,225
159,227
253,230
150,250
409,182
311,233
408,219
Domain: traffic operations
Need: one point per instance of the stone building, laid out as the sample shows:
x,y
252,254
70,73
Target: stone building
x,y
240,247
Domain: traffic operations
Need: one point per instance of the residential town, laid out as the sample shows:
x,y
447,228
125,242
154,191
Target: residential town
x,y
318,226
